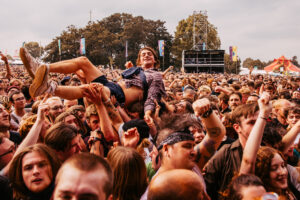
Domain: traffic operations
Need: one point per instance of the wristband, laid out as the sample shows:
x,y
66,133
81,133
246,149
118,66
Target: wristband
x,y
207,113
265,118
95,139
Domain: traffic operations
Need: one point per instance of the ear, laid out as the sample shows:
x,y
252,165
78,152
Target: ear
x,y
166,150
236,127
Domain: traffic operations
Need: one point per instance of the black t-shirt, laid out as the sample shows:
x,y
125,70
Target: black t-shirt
x,y
15,137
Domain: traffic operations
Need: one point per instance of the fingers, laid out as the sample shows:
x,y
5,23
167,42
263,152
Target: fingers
x,y
201,106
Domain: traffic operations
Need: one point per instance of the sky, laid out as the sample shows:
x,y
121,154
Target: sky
x,y
261,29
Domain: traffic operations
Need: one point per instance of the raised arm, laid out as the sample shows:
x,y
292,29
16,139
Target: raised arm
x,y
255,137
33,135
95,95
289,138
8,72
215,131
166,71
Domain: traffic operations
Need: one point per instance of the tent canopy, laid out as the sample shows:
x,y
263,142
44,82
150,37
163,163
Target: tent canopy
x,y
282,62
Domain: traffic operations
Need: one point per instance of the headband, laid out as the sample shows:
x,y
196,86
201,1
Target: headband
x,y
175,138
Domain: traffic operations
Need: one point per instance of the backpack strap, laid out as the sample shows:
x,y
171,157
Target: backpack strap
x,y
145,84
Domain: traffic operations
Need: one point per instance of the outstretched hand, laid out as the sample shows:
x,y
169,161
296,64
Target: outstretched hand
x,y
3,57
93,93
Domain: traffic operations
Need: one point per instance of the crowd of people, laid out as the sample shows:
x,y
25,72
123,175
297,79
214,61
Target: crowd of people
x,y
73,130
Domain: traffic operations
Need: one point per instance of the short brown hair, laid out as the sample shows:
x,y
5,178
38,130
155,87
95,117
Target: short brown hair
x,y
244,110
87,162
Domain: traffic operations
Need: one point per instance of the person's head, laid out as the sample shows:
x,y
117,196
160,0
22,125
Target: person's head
x,y
270,167
70,103
235,99
280,108
78,111
253,98
33,170
177,184
189,93
296,94
224,98
130,175
135,125
293,116
92,117
198,133
16,83
27,123
184,106
243,119
18,100
147,58
177,93
67,118
7,150
244,187
4,119
55,107
204,90
84,176
175,143
64,139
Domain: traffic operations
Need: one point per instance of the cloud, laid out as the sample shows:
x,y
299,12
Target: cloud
x,y
261,29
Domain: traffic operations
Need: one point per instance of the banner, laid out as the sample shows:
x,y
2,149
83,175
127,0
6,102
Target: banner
x,y
161,47
59,47
126,48
204,46
234,54
230,52
82,46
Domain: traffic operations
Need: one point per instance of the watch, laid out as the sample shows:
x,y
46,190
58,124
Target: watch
x,y
207,113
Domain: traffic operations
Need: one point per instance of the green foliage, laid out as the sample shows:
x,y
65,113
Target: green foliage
x,y
106,39
183,39
34,49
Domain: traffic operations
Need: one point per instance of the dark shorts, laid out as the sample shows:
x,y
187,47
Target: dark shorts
x,y
115,89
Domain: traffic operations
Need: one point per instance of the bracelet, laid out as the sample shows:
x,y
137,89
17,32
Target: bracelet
x,y
264,118
95,139
107,101
207,113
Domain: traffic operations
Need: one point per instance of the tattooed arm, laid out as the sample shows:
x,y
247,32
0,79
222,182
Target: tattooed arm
x,y
215,132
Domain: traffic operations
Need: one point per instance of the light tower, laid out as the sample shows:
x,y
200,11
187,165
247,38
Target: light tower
x,y
200,30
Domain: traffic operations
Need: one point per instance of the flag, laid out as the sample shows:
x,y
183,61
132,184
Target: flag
x,y
230,52
234,54
204,46
82,46
59,47
23,45
126,48
161,47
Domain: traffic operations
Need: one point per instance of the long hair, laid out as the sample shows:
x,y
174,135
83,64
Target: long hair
x,y
130,176
15,170
263,167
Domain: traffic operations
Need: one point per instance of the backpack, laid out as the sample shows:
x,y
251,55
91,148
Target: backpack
x,y
127,74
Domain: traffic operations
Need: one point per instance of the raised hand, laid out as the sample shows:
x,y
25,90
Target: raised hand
x,y
201,106
130,138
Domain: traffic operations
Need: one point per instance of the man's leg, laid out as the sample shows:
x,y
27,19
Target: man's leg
x,y
73,65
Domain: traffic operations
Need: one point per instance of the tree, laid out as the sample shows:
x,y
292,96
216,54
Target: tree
x,y
106,39
183,39
230,66
34,49
70,42
295,61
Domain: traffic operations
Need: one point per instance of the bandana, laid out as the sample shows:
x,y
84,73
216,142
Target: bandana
x,y
175,138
